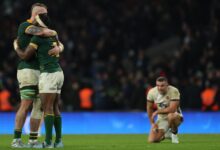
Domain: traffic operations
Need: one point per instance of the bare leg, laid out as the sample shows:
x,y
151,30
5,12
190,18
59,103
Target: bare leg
x,y
174,121
22,114
36,115
56,105
156,135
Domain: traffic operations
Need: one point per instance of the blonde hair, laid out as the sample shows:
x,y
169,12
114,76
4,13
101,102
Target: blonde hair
x,y
39,5
38,8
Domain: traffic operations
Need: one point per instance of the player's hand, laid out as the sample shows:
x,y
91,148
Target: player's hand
x,y
15,44
155,127
54,51
154,114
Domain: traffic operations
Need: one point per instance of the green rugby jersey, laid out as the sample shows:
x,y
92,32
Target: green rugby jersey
x,y
43,45
23,41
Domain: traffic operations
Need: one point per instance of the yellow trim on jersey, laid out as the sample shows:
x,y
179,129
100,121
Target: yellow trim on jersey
x,y
54,44
54,33
28,28
35,46
29,20
61,46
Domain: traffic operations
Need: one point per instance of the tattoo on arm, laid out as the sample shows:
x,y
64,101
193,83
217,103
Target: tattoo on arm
x,y
34,30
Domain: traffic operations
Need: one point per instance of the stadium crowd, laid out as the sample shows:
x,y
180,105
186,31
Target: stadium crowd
x,y
106,62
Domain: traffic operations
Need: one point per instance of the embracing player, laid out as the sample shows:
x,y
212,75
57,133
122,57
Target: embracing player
x,y
51,79
28,77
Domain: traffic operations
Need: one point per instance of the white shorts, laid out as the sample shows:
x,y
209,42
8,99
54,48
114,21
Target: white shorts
x,y
28,77
163,124
51,82
28,83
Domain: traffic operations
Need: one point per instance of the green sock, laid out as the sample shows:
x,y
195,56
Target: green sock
x,y
58,128
49,121
17,133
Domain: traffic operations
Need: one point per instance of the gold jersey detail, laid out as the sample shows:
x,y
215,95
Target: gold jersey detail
x,y
35,46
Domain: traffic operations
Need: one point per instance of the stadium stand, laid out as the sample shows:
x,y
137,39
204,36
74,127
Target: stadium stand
x,y
106,49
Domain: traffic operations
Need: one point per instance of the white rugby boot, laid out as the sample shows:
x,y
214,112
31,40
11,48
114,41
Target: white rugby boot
x,y
17,143
174,138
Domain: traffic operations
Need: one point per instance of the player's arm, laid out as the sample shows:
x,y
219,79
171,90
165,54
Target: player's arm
x,y
150,111
174,104
24,54
35,30
57,49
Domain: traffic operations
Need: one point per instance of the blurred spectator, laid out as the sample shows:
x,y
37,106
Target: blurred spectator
x,y
85,95
5,96
208,98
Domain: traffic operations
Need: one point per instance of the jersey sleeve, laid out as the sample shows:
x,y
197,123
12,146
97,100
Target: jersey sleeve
x,y
175,94
22,28
28,28
150,96
34,42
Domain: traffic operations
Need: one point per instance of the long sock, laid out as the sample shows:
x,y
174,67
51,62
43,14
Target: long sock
x,y
49,121
58,128
33,135
17,133
174,131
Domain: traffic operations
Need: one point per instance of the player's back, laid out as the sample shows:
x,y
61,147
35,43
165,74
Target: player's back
x,y
43,45
23,41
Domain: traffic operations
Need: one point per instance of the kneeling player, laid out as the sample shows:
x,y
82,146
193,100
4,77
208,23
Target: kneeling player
x,y
167,98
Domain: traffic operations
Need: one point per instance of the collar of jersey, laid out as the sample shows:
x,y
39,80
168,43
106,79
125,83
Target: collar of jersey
x,y
29,20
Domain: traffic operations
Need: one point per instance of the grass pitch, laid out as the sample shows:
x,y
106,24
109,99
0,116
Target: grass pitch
x,y
128,142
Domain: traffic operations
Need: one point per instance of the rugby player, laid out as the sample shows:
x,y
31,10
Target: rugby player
x,y
167,99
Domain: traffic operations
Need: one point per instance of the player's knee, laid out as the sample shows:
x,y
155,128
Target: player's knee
x,y
36,112
25,105
171,117
153,140
56,111
49,108
150,141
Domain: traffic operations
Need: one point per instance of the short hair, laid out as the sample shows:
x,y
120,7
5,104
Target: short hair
x,y
162,79
38,4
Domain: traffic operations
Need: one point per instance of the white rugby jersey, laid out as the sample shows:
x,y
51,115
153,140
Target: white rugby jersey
x,y
163,101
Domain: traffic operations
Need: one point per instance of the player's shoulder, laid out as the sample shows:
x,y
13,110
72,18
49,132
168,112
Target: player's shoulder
x,y
25,24
172,88
153,90
152,94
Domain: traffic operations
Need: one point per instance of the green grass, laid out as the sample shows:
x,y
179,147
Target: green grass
x,y
129,142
